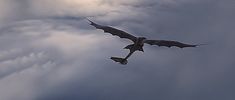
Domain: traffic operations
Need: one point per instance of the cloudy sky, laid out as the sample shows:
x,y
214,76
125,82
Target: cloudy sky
x,y
49,52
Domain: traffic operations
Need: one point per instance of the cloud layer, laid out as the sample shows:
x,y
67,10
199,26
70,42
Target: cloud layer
x,y
48,52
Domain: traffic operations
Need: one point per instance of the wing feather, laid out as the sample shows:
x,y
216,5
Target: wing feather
x,y
169,43
114,31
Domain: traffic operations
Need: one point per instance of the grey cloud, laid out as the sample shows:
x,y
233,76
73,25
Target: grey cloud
x,y
12,66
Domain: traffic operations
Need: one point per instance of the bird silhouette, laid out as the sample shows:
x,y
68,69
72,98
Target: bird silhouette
x,y
138,42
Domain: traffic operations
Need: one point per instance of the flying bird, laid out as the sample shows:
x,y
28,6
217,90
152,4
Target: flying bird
x,y
138,42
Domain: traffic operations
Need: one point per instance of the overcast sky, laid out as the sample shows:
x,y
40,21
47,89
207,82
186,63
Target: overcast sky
x,y
49,52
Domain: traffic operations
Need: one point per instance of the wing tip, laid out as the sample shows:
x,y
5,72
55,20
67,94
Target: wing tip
x,y
94,24
91,22
200,45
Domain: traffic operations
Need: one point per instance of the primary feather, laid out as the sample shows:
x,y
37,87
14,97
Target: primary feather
x,y
168,43
114,31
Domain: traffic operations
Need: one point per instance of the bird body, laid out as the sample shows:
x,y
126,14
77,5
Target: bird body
x,y
138,42
138,45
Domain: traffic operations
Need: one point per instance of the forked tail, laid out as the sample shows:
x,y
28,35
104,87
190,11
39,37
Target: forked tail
x,y
120,60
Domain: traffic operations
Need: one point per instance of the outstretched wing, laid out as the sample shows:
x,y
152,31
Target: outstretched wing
x,y
114,31
169,43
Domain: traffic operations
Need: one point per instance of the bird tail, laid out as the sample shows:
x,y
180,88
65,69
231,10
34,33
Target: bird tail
x,y
120,60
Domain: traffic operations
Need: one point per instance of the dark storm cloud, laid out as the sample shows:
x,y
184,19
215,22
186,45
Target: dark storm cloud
x,y
72,71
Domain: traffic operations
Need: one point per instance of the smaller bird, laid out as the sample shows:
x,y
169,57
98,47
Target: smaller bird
x,y
138,42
